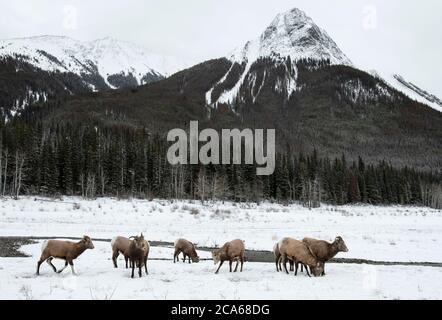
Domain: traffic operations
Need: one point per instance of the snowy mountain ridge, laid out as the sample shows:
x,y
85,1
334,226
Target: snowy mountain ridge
x,y
411,90
104,57
291,34
415,92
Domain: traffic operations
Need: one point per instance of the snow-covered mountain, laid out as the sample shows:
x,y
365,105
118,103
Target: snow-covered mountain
x,y
409,89
118,63
414,92
290,37
291,34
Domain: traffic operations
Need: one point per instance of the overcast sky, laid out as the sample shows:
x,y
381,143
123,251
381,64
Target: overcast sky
x,y
397,36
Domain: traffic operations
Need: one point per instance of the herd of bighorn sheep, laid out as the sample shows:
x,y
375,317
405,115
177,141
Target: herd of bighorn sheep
x,y
311,254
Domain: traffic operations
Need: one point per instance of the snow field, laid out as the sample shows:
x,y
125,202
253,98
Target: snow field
x,y
379,233
98,280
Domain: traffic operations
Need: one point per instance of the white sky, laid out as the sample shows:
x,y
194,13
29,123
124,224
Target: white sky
x,y
406,37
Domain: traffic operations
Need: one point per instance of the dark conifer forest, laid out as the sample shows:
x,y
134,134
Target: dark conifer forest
x,y
126,162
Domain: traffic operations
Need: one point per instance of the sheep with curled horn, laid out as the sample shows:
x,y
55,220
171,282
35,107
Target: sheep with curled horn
x,y
138,254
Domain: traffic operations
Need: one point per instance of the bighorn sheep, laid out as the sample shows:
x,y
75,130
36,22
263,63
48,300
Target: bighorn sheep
x,y
277,255
230,251
299,252
188,250
66,250
120,245
138,253
323,250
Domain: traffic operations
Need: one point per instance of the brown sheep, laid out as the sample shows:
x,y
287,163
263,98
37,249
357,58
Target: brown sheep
x,y
188,250
120,245
230,251
299,253
278,262
324,250
277,255
66,250
138,253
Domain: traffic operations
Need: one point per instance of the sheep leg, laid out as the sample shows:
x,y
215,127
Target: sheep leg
x,y
276,262
308,273
72,267
44,256
296,268
114,258
184,258
132,264
230,265
237,264
242,262
175,256
222,262
323,272
279,264
49,261
302,267
140,267
291,265
306,268
145,265
65,266
284,262
189,259
127,260
38,267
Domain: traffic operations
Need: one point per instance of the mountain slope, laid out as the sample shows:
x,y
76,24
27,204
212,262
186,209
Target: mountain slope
x,y
414,92
339,110
22,84
107,58
73,67
291,35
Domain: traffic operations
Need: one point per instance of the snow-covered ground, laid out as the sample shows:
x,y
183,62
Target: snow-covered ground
x,y
379,233
97,279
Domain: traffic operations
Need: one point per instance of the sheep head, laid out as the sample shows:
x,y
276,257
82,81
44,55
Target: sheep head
x,y
318,270
87,242
340,244
216,256
138,241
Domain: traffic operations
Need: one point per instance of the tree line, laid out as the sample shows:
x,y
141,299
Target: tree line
x,y
122,161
